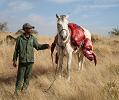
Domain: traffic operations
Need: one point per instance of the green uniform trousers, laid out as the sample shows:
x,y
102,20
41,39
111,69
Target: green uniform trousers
x,y
23,76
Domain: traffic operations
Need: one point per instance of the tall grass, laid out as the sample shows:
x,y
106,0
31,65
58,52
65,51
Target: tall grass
x,y
99,82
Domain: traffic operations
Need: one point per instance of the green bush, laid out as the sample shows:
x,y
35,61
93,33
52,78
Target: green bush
x,y
115,31
3,26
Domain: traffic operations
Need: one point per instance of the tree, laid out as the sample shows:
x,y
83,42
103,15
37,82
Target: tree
x,y
3,27
115,31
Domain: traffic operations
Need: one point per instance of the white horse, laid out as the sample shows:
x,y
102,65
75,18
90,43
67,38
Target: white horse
x,y
65,47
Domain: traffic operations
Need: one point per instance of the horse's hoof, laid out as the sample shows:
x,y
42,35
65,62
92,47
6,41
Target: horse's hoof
x,y
68,78
79,69
60,76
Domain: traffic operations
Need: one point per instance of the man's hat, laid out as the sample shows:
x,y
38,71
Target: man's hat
x,y
27,25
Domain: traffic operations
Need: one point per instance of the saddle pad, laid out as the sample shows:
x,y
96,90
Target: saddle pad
x,y
88,50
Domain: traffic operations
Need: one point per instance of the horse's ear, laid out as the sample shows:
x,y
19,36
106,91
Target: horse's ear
x,y
57,16
67,16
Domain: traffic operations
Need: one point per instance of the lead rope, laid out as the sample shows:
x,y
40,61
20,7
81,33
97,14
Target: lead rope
x,y
46,90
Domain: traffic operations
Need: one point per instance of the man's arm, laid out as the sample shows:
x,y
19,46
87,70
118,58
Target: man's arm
x,y
38,46
16,51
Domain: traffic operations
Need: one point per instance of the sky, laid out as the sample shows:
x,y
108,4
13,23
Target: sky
x,y
98,16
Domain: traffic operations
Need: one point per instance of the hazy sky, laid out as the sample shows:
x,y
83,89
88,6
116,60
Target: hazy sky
x,y
98,16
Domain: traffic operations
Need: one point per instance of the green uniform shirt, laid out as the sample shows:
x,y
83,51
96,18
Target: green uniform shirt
x,y
24,48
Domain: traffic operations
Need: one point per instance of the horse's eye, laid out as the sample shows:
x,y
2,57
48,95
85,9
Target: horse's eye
x,y
59,25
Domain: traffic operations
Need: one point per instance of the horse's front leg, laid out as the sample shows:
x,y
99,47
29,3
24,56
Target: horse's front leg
x,y
69,65
80,61
60,63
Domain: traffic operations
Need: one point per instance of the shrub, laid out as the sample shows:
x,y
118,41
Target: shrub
x,y
115,31
3,27
95,38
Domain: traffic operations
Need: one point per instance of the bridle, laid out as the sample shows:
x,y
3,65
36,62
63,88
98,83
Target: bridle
x,y
63,30
66,41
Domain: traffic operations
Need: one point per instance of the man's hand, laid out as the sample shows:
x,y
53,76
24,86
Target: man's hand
x,y
47,46
14,63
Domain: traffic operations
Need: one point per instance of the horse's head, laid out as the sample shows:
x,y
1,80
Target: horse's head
x,y
62,26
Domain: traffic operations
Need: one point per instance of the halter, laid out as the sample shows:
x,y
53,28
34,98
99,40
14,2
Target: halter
x,y
62,30
63,46
66,36
60,33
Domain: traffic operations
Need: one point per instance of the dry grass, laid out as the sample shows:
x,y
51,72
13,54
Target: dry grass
x,y
93,83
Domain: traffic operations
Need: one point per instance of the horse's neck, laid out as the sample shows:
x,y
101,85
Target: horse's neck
x,y
69,31
68,37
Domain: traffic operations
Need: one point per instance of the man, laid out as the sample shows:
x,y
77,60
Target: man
x,y
24,50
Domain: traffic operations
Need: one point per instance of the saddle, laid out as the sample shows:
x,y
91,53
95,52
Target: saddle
x,y
77,34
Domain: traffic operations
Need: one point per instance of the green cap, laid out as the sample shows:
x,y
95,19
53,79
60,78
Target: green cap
x,y
27,25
